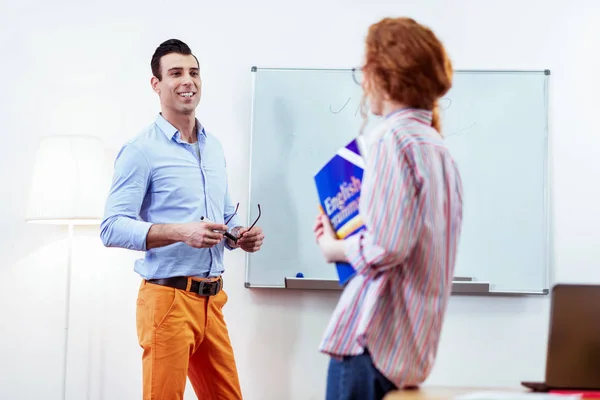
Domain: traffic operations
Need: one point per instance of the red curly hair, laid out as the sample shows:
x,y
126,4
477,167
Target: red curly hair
x,y
406,61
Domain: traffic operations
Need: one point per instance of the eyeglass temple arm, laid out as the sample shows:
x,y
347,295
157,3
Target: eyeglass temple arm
x,y
235,239
233,215
257,218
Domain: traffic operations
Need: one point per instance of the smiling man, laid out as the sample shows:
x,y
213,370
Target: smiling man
x,y
170,198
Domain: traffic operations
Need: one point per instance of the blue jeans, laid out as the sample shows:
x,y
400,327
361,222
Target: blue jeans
x,y
356,378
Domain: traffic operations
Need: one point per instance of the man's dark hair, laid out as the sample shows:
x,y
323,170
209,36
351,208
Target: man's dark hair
x,y
168,47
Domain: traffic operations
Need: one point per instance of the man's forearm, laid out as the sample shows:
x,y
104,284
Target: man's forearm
x,y
161,235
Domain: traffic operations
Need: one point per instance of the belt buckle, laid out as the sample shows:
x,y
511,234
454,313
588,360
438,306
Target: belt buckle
x,y
208,288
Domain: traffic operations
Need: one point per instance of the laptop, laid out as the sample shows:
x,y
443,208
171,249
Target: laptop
x,y
573,355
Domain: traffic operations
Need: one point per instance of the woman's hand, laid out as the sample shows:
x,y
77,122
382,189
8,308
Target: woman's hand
x,y
331,247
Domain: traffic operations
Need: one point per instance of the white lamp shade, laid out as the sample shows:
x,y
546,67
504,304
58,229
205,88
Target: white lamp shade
x,y
70,181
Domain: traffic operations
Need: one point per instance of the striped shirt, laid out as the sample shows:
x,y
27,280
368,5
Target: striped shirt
x,y
411,205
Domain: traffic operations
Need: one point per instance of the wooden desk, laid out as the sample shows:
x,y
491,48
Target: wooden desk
x,y
441,393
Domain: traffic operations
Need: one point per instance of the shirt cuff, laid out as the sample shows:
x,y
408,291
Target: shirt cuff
x,y
354,252
139,234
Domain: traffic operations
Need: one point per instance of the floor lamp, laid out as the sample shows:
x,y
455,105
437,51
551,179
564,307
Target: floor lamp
x,y
69,187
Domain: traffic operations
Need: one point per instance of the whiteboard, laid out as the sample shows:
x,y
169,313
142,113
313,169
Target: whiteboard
x,y
495,125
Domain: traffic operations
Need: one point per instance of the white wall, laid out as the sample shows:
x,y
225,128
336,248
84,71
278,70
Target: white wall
x,y
69,68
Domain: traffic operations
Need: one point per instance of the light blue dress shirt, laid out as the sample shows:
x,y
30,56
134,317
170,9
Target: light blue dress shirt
x,y
160,179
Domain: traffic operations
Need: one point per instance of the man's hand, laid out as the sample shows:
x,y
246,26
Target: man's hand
x,y
202,234
250,240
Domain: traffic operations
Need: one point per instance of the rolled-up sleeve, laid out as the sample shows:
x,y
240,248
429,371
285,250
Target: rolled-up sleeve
x,y
121,226
391,212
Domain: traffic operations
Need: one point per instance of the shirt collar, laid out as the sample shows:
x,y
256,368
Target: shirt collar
x,y
420,115
170,131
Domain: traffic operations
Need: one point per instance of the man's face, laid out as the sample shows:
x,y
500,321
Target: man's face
x,y
180,87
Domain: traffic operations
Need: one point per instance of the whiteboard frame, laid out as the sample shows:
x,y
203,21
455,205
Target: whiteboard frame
x,y
460,285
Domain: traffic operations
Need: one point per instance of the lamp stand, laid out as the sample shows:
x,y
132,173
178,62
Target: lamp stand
x,y
67,310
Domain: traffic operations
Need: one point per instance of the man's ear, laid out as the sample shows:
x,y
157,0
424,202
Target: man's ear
x,y
154,83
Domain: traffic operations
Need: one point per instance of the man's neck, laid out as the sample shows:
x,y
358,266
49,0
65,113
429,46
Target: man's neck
x,y
185,124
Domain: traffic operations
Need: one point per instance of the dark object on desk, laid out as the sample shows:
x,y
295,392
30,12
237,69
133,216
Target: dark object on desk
x,y
573,355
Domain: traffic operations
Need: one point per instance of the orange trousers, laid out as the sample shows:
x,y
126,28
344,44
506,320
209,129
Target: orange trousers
x,y
184,335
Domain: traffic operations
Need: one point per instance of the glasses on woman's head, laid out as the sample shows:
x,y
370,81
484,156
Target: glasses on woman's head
x,y
357,75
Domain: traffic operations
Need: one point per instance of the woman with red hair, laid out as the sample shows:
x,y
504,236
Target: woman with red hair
x,y
385,330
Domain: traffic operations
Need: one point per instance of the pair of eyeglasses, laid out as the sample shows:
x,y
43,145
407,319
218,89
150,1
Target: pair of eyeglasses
x,y
357,76
230,236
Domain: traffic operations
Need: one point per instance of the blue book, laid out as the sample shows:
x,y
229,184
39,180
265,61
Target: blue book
x,y
338,186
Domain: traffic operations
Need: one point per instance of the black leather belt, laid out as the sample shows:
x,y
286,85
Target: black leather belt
x,y
203,288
